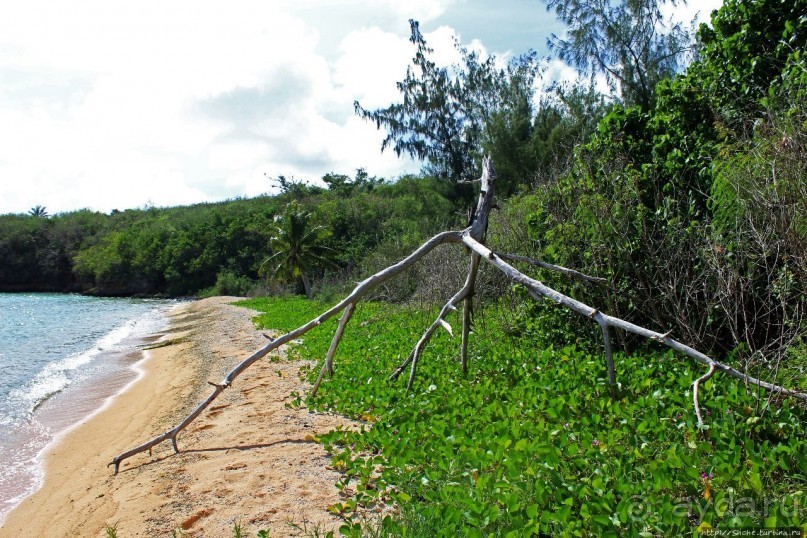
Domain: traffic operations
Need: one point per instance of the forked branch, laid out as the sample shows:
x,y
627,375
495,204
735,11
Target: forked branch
x,y
537,288
452,303
347,303
473,238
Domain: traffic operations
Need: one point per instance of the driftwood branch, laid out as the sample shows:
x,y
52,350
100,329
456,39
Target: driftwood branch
x,y
358,292
537,288
440,321
473,238
586,279
695,386
477,229
327,365
467,305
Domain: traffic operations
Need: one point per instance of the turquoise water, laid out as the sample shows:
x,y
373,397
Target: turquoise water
x,y
61,357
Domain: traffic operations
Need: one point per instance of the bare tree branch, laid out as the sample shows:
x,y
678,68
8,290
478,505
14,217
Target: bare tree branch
x,y
360,290
588,280
466,313
327,365
472,237
581,308
695,386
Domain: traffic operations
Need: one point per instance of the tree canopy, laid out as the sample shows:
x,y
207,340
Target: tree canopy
x,y
630,42
299,248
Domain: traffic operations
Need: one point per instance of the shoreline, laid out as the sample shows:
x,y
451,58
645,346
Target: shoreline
x,y
247,459
108,365
136,371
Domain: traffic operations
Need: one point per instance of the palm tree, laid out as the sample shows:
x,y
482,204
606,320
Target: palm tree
x,y
39,211
299,249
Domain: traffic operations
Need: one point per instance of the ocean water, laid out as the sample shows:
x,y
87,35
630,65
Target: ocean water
x,y
61,357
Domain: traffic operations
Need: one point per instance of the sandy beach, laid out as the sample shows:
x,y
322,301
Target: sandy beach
x,y
247,459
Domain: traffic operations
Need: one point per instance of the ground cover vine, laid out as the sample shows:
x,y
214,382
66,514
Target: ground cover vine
x,y
531,443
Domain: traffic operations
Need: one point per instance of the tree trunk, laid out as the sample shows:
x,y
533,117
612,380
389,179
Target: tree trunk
x,y
306,284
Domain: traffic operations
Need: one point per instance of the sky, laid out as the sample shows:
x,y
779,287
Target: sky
x,y
114,105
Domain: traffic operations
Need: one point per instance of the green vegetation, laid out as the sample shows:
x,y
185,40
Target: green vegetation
x,y
531,441
218,248
446,114
111,531
694,209
299,248
633,44
38,211
685,189
450,116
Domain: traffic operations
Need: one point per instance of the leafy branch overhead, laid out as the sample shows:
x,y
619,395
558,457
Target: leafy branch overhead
x,y
449,113
437,120
632,44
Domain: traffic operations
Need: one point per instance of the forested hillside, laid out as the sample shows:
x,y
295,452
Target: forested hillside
x,y
182,251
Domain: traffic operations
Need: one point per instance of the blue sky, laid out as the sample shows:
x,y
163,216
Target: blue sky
x,y
107,104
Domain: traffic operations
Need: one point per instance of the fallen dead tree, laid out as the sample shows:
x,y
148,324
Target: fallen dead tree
x,y
471,237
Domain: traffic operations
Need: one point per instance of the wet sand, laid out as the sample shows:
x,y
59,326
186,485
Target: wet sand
x,y
247,459
22,471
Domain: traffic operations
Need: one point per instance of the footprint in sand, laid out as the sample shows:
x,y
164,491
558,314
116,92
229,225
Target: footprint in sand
x,y
188,523
215,411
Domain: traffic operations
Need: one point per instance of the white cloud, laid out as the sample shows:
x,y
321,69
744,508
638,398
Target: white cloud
x,y
699,11
371,50
112,105
420,10
108,104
